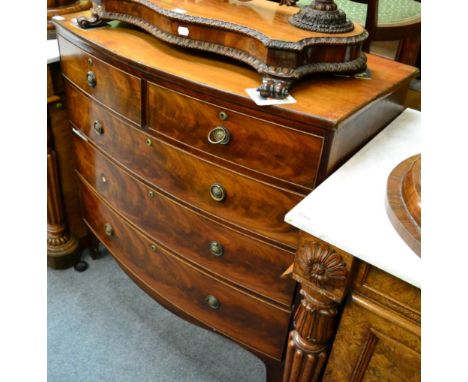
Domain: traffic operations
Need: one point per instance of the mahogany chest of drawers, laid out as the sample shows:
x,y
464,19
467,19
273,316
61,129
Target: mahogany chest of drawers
x,y
186,181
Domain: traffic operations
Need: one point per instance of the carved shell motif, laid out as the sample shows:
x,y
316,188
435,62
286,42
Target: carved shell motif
x,y
321,265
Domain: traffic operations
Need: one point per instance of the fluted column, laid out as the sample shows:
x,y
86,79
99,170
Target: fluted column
x,y
62,246
323,274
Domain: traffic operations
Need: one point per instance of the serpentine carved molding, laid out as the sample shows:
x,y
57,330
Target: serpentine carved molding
x,y
279,63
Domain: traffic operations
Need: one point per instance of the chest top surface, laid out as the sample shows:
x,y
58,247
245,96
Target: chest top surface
x,y
348,209
323,99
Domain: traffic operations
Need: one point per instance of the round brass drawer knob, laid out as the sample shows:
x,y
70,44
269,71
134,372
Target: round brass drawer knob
x,y
90,61
151,194
219,136
108,230
91,79
153,247
212,302
103,178
216,248
223,115
217,192
149,142
98,127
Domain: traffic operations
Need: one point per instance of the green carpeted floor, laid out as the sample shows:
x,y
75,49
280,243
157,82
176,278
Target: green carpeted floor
x,y
102,327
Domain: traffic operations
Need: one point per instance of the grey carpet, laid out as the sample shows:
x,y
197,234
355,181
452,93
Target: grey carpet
x,y
102,327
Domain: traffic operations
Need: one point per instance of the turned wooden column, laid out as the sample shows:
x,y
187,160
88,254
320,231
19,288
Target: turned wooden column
x,y
62,246
323,273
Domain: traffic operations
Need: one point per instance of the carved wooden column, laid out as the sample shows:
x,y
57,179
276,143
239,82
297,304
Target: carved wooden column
x,y
323,273
62,246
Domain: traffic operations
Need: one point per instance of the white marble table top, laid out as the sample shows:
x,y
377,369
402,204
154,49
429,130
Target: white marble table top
x,y
348,209
52,51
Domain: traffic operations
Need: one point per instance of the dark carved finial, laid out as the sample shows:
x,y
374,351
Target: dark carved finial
x,y
321,265
321,16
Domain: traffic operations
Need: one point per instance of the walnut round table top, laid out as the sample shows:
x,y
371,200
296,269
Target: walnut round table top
x,y
404,201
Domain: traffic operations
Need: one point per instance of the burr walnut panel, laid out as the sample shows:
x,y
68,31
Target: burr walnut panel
x,y
241,259
187,177
374,345
118,90
234,313
249,142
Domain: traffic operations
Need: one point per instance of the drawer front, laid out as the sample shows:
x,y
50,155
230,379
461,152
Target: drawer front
x,y
239,315
250,142
223,251
114,88
253,205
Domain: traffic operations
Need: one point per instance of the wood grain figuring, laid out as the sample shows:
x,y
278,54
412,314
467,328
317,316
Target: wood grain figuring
x,y
278,56
120,91
63,148
403,202
254,143
247,262
389,291
240,316
270,19
313,95
145,168
186,177
324,274
371,347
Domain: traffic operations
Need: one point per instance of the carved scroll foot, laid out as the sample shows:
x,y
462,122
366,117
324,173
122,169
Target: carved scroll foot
x,y
93,21
322,16
274,87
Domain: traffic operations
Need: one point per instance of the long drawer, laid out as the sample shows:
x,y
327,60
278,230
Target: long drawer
x,y
102,81
231,255
257,144
253,205
232,312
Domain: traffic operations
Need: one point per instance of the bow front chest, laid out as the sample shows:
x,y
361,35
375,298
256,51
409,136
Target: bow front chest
x,y
186,181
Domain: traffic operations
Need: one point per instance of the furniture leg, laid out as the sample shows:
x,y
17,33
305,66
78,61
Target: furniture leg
x,y
309,342
61,244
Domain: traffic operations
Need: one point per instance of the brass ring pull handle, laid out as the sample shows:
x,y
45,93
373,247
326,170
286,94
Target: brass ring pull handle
x,y
98,128
91,79
216,248
108,230
219,136
212,302
217,192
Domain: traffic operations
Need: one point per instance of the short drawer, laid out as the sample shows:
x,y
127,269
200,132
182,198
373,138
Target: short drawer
x,y
116,89
225,252
262,146
243,201
232,312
